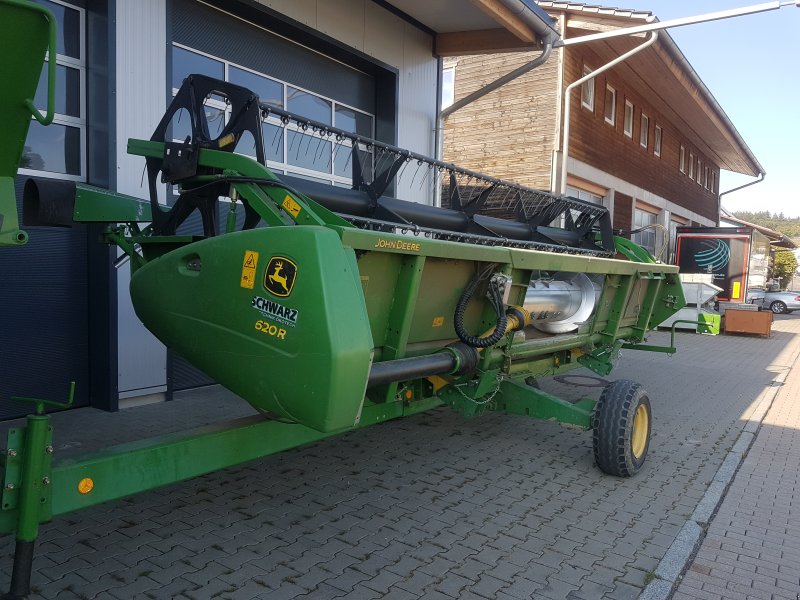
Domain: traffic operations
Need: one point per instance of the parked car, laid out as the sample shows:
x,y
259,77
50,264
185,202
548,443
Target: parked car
x,y
779,302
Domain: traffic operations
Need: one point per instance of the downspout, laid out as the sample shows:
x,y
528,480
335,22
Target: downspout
x,y
477,94
581,81
499,82
736,189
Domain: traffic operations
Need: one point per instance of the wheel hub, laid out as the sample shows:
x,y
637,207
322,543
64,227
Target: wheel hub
x,y
641,424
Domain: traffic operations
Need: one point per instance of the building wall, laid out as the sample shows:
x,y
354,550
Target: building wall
x,y
141,99
143,45
368,28
510,132
606,147
516,133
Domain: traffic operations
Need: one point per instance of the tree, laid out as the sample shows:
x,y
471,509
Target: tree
x,y
785,267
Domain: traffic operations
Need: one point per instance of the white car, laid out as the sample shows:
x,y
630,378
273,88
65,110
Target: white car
x,y
779,302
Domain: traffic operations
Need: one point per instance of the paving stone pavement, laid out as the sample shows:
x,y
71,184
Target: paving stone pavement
x,y
752,547
434,506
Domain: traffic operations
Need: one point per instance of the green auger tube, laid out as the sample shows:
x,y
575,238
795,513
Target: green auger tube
x,y
27,32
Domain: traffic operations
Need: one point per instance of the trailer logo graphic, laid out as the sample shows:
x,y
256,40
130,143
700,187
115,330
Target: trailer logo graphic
x,y
716,256
279,276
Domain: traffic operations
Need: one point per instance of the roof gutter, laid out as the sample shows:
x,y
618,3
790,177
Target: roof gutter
x,y
741,187
736,189
534,17
704,18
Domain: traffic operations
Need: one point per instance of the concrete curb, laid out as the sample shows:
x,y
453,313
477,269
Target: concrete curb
x,y
680,553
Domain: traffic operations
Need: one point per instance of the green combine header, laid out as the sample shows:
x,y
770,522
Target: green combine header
x,y
326,308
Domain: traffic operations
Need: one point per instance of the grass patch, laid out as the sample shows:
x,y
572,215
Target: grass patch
x,y
650,576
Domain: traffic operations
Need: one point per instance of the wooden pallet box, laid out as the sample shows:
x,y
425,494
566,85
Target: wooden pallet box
x,y
748,321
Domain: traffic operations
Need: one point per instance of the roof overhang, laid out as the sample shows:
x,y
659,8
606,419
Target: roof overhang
x,y
464,27
666,80
776,238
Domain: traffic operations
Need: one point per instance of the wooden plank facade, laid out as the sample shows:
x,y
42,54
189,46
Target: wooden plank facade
x,y
516,131
509,133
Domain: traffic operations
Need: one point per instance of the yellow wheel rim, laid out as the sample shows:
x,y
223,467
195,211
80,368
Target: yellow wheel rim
x,y
641,425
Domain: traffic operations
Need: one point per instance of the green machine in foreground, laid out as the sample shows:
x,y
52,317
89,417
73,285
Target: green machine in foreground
x,y
330,309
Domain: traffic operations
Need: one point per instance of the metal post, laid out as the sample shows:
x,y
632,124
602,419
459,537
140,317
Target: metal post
x,y
33,480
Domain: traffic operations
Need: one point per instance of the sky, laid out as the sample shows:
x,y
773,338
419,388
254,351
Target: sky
x,y
751,64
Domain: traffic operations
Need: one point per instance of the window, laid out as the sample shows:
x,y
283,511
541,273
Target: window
x,y
611,105
627,126
657,141
691,166
448,86
61,147
584,195
287,147
644,132
682,159
647,237
699,171
713,181
587,90
705,179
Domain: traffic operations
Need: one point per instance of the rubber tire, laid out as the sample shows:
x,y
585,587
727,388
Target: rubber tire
x,y
612,428
778,307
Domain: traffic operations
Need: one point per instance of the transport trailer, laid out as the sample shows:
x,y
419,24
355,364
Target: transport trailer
x,y
330,309
737,258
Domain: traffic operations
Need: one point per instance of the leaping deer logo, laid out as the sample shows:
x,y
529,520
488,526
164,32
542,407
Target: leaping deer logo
x,y
279,276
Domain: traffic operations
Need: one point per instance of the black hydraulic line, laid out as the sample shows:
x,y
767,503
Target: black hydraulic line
x,y
456,359
495,299
404,369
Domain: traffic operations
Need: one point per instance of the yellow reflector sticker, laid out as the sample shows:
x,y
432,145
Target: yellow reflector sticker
x,y
226,140
438,321
249,265
737,289
85,485
292,207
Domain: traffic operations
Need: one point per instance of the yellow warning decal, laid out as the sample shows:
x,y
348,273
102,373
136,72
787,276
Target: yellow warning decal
x,y
292,207
737,289
438,321
249,269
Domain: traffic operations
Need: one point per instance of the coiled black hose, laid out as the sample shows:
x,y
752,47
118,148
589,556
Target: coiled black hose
x,y
495,296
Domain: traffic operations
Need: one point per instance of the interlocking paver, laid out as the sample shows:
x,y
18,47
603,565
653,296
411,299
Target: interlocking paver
x,y
742,555
470,503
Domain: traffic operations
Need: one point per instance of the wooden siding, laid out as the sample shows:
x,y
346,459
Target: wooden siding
x,y
510,132
606,147
623,211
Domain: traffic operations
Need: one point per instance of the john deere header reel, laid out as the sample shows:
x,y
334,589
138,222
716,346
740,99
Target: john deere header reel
x,y
315,302
331,308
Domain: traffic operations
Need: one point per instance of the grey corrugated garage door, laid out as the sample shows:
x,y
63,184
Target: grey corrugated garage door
x,y
206,30
44,329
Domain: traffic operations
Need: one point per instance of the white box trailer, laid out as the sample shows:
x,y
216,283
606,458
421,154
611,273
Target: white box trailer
x,y
737,258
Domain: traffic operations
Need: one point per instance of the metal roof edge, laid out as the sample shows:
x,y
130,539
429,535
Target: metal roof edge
x,y
666,40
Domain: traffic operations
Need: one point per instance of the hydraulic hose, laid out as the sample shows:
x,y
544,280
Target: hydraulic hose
x,y
495,296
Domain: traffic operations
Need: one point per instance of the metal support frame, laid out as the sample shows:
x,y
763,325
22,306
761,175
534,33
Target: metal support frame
x,y
210,169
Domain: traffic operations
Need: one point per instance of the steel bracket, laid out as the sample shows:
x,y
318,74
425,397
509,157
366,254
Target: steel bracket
x,y
600,360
